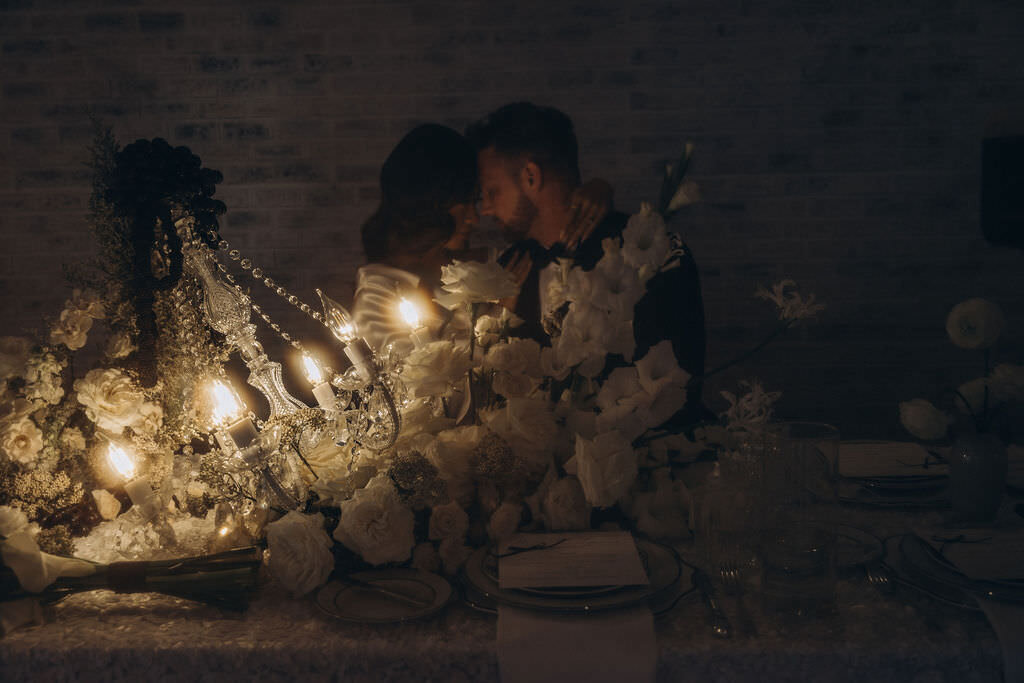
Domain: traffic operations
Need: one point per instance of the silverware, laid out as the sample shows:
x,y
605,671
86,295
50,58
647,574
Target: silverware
x,y
396,595
720,625
732,582
878,576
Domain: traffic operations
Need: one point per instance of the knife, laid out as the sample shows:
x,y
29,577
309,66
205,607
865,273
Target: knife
x,y
720,625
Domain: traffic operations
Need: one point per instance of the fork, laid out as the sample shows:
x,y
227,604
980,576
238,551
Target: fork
x,y
732,575
878,576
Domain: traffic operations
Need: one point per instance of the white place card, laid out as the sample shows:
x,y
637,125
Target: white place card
x,y
589,558
861,459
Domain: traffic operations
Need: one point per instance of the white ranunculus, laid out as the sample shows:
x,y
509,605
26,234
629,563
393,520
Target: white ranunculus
x,y
475,282
1007,382
13,356
22,441
12,520
505,520
113,402
72,329
606,467
923,420
120,345
448,521
87,302
300,552
565,506
451,453
433,369
376,525
975,324
645,241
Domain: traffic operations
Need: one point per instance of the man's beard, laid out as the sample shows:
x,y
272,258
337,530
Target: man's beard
x,y
518,226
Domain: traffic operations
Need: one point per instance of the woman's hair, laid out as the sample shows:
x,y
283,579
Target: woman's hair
x,y
430,170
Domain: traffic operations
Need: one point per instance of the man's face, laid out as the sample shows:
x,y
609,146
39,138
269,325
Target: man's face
x,y
502,196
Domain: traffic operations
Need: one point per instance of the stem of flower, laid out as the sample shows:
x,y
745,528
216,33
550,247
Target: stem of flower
x,y
750,352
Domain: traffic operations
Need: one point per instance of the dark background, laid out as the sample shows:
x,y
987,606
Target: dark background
x,y
837,143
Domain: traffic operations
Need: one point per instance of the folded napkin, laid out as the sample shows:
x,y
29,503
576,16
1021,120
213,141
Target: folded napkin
x,y
870,459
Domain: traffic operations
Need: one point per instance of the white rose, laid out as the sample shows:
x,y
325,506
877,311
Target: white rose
x,y
120,345
923,420
434,368
375,524
113,402
73,439
505,521
451,453
448,521
975,324
565,506
453,553
13,356
12,520
475,282
300,552
528,425
72,329
517,356
22,441
87,302
606,467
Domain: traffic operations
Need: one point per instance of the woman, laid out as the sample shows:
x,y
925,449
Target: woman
x,y
426,216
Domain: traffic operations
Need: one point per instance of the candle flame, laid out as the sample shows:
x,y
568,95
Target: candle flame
x,y
120,461
313,372
410,313
226,406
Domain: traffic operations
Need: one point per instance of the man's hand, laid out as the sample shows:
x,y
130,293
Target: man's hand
x,y
588,205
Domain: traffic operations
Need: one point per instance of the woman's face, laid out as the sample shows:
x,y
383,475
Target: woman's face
x,y
466,219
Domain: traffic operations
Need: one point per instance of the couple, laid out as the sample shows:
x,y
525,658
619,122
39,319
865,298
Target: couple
x,y
519,165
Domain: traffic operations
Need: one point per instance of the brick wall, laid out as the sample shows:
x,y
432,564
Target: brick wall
x,y
838,143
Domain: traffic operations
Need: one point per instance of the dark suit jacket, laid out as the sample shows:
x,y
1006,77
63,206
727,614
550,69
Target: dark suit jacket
x,y
672,307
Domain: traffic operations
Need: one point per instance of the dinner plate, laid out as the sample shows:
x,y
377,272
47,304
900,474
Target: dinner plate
x,y
365,605
669,580
922,560
905,575
490,568
911,496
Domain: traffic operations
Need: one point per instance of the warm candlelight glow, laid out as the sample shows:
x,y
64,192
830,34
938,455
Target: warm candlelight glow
x,y
120,461
410,313
338,319
226,406
313,372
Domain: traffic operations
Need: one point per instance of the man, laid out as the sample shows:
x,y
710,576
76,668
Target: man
x,y
528,166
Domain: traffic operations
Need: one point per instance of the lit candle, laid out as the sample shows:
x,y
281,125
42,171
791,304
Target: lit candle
x,y
411,314
344,329
321,389
136,486
234,429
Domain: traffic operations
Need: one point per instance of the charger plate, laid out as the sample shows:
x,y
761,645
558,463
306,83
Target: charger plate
x,y
903,572
669,579
922,560
365,606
